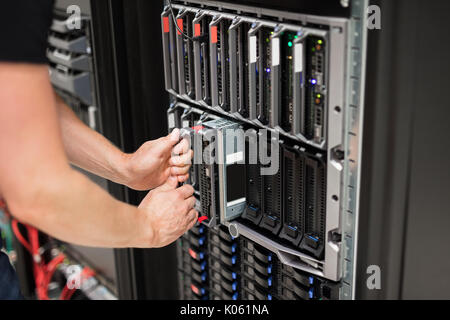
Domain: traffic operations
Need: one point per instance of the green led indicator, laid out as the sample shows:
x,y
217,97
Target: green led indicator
x,y
295,37
319,41
290,43
267,40
313,49
318,96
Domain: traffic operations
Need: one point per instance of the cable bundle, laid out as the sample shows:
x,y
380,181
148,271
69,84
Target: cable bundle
x,y
43,272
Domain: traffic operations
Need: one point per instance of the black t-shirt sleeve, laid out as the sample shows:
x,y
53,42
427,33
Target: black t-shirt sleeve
x,y
24,26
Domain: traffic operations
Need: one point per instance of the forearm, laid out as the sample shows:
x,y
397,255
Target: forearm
x,y
71,208
88,149
36,180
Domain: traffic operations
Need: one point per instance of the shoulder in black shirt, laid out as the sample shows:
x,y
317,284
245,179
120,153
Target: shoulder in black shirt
x,y
24,26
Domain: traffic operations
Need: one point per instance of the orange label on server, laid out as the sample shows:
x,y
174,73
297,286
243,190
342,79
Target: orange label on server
x,y
180,26
214,34
197,30
166,26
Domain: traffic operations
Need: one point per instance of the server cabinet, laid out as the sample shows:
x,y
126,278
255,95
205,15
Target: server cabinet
x,y
299,75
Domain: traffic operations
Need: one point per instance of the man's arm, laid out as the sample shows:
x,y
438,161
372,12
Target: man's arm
x,y
145,169
41,189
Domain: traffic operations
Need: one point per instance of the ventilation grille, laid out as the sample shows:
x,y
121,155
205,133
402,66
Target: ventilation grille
x,y
244,86
315,198
205,190
272,194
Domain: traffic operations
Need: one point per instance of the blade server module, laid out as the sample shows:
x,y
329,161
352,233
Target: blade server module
x,y
288,73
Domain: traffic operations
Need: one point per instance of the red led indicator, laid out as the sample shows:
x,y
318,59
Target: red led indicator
x,y
195,289
202,218
192,253
197,128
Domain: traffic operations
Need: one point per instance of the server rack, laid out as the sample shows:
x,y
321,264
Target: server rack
x,y
74,75
289,73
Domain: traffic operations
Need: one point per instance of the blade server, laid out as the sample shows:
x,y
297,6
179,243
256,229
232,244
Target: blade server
x,y
238,66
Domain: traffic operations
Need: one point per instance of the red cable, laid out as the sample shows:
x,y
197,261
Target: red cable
x,y
15,228
37,271
43,273
39,264
67,293
50,269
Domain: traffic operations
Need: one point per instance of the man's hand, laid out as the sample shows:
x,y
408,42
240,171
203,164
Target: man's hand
x,y
152,164
169,211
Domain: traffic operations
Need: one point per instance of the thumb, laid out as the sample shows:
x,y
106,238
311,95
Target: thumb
x,y
170,184
166,144
174,136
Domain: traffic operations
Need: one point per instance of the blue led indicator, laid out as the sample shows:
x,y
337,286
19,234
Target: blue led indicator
x,y
269,281
203,291
203,265
235,296
311,280
233,259
204,276
269,258
311,294
269,297
234,286
233,248
201,241
313,81
201,255
269,269
234,275
201,229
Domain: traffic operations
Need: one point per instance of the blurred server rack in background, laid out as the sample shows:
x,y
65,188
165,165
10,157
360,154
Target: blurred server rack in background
x,y
76,71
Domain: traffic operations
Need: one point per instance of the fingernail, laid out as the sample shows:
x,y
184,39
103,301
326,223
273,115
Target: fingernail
x,y
175,133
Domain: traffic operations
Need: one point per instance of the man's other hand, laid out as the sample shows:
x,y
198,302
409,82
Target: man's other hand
x,y
169,211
